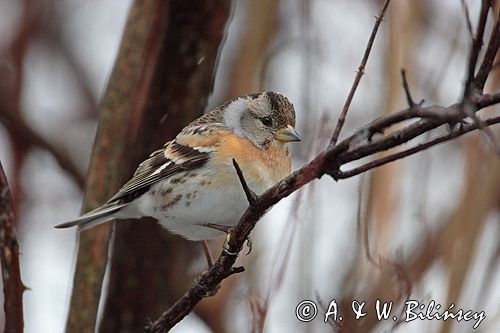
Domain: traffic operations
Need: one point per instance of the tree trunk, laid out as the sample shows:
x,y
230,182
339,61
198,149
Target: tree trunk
x,y
149,266
13,287
161,80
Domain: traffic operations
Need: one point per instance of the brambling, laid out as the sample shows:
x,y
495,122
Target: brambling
x,y
191,185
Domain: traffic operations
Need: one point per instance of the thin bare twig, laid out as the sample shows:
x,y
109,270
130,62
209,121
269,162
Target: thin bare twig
x,y
476,82
359,74
406,88
477,42
489,56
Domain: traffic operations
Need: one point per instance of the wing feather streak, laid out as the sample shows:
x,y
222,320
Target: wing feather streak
x,y
174,159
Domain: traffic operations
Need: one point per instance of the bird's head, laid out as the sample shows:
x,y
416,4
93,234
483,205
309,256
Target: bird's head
x,y
262,118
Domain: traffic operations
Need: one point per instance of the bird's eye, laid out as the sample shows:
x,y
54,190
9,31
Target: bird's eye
x,y
266,121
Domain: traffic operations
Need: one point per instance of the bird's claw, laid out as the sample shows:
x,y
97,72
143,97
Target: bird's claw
x,y
249,245
226,247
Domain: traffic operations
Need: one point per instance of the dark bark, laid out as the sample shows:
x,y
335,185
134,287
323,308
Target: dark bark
x,y
149,266
9,255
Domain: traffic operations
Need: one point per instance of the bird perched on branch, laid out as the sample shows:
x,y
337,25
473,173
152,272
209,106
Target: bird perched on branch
x,y
191,186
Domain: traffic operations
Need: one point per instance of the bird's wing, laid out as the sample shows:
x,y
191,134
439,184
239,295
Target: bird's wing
x,y
190,150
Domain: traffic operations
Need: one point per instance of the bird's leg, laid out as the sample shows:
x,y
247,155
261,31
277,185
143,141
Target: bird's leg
x,y
220,227
210,261
208,255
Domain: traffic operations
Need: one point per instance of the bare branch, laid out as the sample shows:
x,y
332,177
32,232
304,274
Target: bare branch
x,y
478,82
484,100
359,74
206,285
384,160
477,43
489,56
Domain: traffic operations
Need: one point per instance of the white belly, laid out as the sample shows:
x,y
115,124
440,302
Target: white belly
x,y
185,208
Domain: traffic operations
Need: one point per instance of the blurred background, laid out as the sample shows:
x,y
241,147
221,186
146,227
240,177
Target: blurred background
x,y
424,228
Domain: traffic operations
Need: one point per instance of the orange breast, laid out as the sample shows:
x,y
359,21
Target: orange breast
x,y
262,167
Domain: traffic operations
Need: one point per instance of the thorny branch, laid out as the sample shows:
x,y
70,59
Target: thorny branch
x,y
359,74
13,287
10,97
477,82
360,145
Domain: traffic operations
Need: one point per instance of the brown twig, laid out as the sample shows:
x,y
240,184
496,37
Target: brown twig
x,y
206,285
477,42
489,56
359,74
390,158
13,287
358,150
477,82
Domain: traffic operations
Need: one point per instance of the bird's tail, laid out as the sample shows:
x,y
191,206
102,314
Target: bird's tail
x,y
94,217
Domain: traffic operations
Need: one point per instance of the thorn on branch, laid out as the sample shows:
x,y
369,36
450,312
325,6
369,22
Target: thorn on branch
x,y
372,132
379,17
335,173
236,270
251,196
406,87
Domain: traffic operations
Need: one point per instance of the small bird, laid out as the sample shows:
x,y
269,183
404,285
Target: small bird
x,y
191,185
